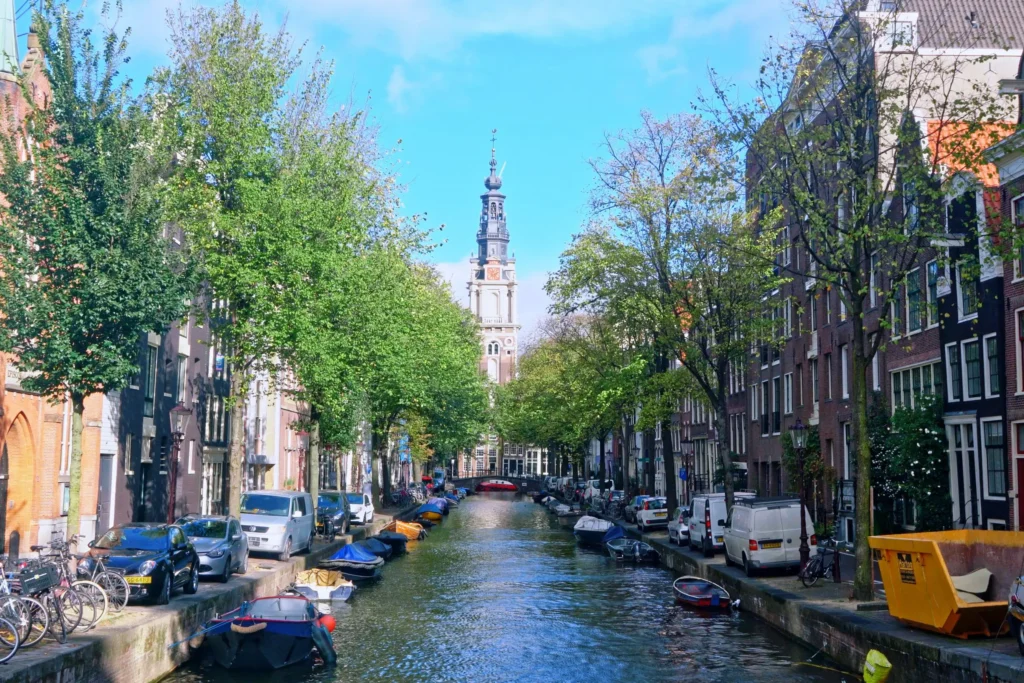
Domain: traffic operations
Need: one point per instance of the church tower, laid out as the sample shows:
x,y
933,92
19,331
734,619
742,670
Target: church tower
x,y
492,283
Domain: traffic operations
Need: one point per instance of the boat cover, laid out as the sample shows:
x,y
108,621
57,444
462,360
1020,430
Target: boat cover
x,y
613,533
392,538
375,546
428,507
439,502
588,523
355,553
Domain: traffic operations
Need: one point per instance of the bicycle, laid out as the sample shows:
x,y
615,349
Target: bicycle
x,y
816,567
110,580
27,613
10,640
75,605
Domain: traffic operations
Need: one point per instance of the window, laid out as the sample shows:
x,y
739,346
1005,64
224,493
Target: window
x,y
787,393
776,405
850,462
800,385
842,304
828,306
1017,217
972,364
911,214
844,360
914,321
909,384
992,373
765,426
876,379
932,267
896,308
182,379
65,499
754,412
191,455
149,381
163,455
1020,350
995,458
966,291
126,452
953,371
873,286
812,313
813,363
828,376
787,314
900,34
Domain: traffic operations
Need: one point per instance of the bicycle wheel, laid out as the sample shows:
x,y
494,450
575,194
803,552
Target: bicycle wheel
x,y
58,628
91,608
18,613
39,624
809,574
10,641
116,588
71,608
95,593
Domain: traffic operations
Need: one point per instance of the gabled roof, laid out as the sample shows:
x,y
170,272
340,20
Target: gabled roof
x,y
997,24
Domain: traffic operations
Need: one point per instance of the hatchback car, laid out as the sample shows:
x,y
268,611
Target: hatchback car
x,y
630,512
333,513
361,506
220,543
679,525
278,521
155,559
653,513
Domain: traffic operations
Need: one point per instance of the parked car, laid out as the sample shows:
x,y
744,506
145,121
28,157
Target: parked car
x,y
220,544
333,513
361,508
155,559
679,525
652,513
764,533
630,513
278,521
707,521
593,488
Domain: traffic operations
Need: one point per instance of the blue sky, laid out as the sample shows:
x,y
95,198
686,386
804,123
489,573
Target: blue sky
x,y
551,75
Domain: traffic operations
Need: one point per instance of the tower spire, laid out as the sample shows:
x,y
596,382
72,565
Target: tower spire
x,y
492,237
8,39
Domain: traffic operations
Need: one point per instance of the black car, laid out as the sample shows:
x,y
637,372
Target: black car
x,y
333,514
155,559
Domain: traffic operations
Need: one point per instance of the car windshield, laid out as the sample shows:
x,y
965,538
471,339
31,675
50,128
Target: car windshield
x,y
134,538
328,500
263,504
206,528
355,498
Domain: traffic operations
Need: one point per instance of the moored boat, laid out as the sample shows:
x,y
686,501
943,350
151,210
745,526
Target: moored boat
x,y
270,633
411,530
496,485
354,562
591,530
430,512
394,539
323,586
441,503
629,550
452,498
377,547
540,496
699,593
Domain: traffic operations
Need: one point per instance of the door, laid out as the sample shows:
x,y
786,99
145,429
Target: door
x,y
3,499
306,507
734,533
105,505
767,530
239,545
961,457
180,556
791,531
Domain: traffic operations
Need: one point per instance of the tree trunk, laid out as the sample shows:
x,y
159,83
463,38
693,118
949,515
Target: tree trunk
x,y
386,473
604,470
721,420
314,459
565,463
75,486
378,458
627,454
236,448
671,499
863,588
649,460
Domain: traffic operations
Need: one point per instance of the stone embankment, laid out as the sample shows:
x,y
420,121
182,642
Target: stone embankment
x,y
134,646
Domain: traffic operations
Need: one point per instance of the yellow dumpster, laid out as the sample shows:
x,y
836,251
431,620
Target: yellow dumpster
x,y
952,582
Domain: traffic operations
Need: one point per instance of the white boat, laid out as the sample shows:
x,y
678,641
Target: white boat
x,y
323,586
591,530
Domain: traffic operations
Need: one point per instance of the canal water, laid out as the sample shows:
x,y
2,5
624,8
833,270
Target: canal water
x,y
499,592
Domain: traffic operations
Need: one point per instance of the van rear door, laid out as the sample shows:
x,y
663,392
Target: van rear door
x,y
768,531
718,515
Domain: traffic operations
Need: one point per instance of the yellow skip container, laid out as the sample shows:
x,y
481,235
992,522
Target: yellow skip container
x,y
952,582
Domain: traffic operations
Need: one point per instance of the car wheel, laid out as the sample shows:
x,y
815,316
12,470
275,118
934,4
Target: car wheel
x,y
348,526
286,552
226,574
164,596
243,566
1020,635
747,569
728,560
309,543
708,550
671,539
192,587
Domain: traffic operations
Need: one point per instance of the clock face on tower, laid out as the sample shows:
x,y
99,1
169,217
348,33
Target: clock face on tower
x,y
493,273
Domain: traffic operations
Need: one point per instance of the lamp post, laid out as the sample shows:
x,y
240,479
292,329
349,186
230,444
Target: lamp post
x,y
799,435
180,416
636,459
686,453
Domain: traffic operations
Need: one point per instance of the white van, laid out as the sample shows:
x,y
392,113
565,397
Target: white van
x,y
279,522
707,521
764,533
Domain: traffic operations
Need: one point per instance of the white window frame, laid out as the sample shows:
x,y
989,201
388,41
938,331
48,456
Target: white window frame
x,y
1017,350
983,454
754,416
932,307
813,370
844,373
873,272
191,456
963,369
985,368
787,394
876,376
787,315
915,273
828,376
960,299
948,369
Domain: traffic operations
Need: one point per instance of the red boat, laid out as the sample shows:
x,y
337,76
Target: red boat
x,y
699,593
496,485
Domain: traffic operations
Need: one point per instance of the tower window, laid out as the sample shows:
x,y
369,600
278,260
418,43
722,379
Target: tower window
x,y
494,210
493,349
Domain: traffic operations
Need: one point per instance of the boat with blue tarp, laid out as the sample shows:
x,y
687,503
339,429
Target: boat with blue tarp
x,y
355,563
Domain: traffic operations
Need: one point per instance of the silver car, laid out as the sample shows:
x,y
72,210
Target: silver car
x,y
220,544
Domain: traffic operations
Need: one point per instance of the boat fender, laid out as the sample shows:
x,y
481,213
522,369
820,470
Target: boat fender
x,y
253,628
324,644
327,621
196,641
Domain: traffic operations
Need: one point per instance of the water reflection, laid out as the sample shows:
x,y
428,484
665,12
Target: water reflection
x,y
499,592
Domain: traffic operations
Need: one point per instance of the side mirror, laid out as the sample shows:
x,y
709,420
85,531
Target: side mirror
x,y
721,523
92,543
236,537
297,514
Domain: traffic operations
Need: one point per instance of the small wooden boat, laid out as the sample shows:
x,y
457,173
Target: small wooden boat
x,y
354,562
699,593
411,530
496,485
323,586
591,530
629,550
270,633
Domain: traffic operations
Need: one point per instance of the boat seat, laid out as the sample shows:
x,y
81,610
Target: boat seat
x,y
969,598
280,608
976,583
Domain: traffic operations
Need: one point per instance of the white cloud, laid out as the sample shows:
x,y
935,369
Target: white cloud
x,y
398,88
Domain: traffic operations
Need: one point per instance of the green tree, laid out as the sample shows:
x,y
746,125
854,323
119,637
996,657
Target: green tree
x,y
87,268
851,140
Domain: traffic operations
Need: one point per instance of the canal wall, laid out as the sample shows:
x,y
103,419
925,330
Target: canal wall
x,y
134,646
824,619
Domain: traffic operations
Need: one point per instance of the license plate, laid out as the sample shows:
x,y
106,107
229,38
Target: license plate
x,y
660,514
773,545
139,579
254,542
718,539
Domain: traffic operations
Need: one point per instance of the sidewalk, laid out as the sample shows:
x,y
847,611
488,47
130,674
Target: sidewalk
x,y
825,617
133,646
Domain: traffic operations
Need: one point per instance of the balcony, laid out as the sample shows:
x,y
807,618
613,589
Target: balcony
x,y
491,320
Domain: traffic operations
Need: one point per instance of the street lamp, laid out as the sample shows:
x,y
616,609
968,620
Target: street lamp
x,y
799,435
636,460
686,453
180,417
